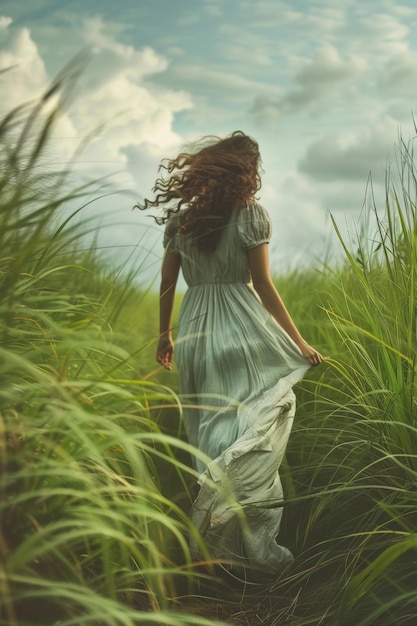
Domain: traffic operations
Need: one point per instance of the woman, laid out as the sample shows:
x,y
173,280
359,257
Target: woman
x,y
238,351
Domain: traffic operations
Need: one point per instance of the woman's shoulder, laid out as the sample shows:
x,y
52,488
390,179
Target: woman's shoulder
x,y
254,211
172,225
254,225
173,221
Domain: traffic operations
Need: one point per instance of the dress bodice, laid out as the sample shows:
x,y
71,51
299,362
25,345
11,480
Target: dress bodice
x,y
228,263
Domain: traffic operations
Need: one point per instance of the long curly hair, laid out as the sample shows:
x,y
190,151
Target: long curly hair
x,y
209,180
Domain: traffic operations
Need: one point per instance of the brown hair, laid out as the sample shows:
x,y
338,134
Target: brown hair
x,y
211,178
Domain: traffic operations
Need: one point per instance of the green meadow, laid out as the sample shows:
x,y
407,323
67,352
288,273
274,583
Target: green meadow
x,y
95,472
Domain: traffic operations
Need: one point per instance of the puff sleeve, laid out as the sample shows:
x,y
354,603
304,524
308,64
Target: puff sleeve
x,y
170,233
254,226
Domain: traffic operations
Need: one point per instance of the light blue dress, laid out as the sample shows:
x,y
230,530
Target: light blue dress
x,y
236,369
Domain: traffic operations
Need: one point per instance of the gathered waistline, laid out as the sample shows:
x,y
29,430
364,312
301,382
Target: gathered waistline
x,y
219,282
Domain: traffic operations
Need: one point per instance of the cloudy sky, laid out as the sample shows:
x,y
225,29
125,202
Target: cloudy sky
x,y
325,86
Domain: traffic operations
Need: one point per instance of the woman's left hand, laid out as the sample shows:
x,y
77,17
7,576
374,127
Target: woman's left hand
x,y
165,352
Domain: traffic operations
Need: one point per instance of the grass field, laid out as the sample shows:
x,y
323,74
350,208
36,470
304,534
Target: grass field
x,y
95,474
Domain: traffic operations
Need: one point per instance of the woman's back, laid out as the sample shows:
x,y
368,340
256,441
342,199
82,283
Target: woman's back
x,y
228,263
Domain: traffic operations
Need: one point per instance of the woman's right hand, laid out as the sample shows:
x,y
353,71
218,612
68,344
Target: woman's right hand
x,y
309,353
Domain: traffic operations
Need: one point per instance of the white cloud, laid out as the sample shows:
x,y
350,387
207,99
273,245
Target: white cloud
x,y
5,21
399,76
300,224
242,53
265,13
117,93
211,81
326,71
27,76
351,156
374,34
314,84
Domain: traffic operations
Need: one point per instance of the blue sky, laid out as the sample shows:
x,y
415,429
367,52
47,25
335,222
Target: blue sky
x,y
325,87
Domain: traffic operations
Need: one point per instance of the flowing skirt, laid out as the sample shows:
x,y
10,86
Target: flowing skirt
x,y
237,369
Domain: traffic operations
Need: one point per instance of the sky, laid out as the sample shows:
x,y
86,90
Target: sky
x,y
326,88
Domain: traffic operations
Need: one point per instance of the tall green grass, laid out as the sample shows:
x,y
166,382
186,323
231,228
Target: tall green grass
x,y
89,534
351,472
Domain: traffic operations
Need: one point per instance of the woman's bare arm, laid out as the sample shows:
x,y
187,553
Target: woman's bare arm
x,y
258,259
169,276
